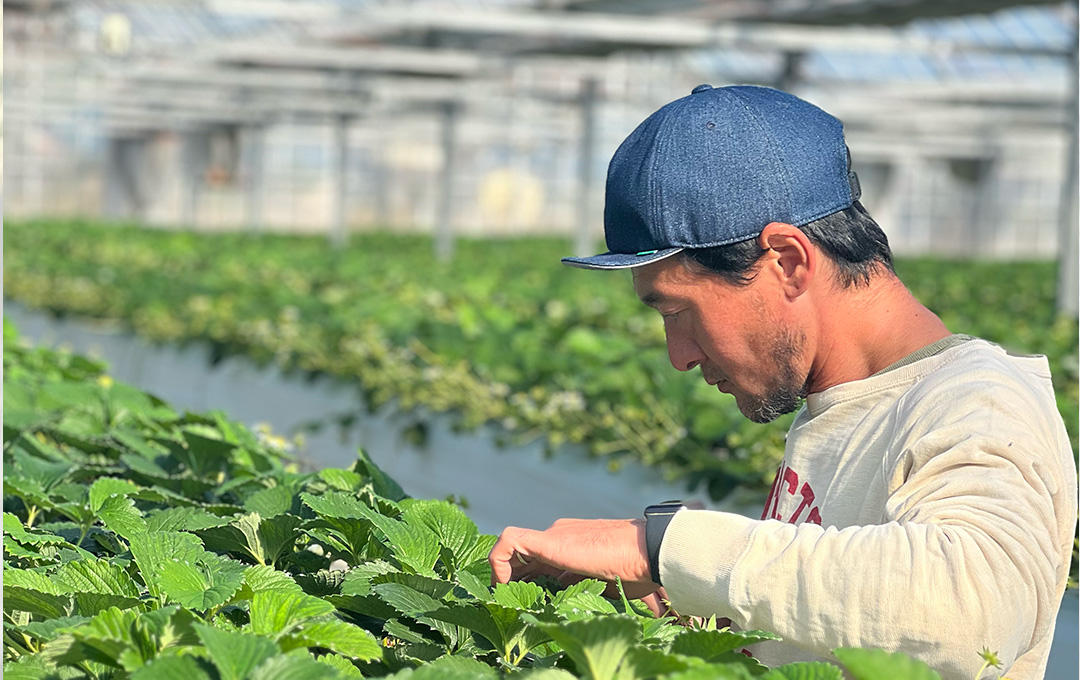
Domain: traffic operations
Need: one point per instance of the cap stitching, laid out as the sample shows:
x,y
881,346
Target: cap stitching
x,y
773,145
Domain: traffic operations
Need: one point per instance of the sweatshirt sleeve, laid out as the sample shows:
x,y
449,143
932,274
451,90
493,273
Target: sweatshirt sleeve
x,y
968,555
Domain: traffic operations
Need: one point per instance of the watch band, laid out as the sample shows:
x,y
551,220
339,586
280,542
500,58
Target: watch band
x,y
657,518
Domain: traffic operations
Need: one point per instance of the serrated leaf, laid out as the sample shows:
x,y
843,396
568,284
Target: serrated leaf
x,y
335,504
416,548
453,529
204,454
42,472
271,502
153,550
96,576
406,600
642,662
454,668
53,628
275,612
208,582
173,667
235,654
338,636
104,487
596,646
264,540
322,583
46,605
381,483
806,670
260,577
519,595
358,579
342,666
474,586
870,664
710,644
341,480
119,514
32,580
293,667
183,519
97,585
15,528
712,672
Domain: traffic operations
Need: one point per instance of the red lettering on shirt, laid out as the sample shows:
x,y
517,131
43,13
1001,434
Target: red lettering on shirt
x,y
790,487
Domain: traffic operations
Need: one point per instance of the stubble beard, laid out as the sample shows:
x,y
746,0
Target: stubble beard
x,y
787,389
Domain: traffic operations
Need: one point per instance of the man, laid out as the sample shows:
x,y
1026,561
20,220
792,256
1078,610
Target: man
x,y
927,499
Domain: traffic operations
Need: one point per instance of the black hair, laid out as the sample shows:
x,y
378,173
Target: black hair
x,y
850,238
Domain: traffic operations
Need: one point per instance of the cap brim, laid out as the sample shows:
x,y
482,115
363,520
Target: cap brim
x,y
620,260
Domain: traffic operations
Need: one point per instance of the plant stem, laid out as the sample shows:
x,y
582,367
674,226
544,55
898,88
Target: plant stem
x,y
986,664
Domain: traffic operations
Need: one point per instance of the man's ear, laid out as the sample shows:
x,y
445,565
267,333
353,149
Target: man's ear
x,y
793,256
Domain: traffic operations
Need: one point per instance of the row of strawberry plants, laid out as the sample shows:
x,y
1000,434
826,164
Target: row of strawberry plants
x,y
502,335
148,544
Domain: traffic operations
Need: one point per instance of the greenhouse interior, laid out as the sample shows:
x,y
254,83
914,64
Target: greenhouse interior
x,y
288,342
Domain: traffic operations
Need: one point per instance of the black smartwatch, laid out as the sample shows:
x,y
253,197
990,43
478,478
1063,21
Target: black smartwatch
x,y
657,518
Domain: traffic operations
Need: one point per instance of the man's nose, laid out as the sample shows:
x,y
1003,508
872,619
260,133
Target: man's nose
x,y
685,355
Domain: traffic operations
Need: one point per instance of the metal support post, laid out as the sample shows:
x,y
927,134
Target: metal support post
x,y
256,179
193,162
1068,292
341,167
444,235
583,236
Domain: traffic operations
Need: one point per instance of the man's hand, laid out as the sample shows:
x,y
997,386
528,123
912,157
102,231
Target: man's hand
x,y
573,549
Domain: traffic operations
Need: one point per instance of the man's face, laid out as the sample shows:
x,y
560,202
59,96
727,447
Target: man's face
x,y
736,334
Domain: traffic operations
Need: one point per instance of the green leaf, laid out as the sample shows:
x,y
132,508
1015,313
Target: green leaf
x,y
342,665
183,519
382,483
416,548
712,672
260,577
120,515
406,600
41,472
203,454
451,526
173,667
474,586
710,644
97,585
807,670
105,487
153,550
235,654
293,666
32,580
15,528
53,628
519,595
275,612
358,579
871,664
335,504
338,636
208,582
35,602
597,646
271,502
341,480
264,540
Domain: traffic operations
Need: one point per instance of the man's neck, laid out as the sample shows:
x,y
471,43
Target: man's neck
x,y
864,330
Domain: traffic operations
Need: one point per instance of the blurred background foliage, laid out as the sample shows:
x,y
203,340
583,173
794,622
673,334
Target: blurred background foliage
x,y
503,334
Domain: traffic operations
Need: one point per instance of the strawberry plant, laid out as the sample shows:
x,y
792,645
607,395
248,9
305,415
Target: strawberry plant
x,y
144,543
503,335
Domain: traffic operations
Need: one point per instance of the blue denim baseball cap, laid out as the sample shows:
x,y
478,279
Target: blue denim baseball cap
x,y
715,168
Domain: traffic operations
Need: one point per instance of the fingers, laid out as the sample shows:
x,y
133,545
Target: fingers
x,y
509,558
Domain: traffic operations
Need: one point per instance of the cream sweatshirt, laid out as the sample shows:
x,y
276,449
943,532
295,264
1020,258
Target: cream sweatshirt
x,y
929,509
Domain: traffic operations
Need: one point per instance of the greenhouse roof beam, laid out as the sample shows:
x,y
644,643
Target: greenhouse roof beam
x,y
382,59
561,30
